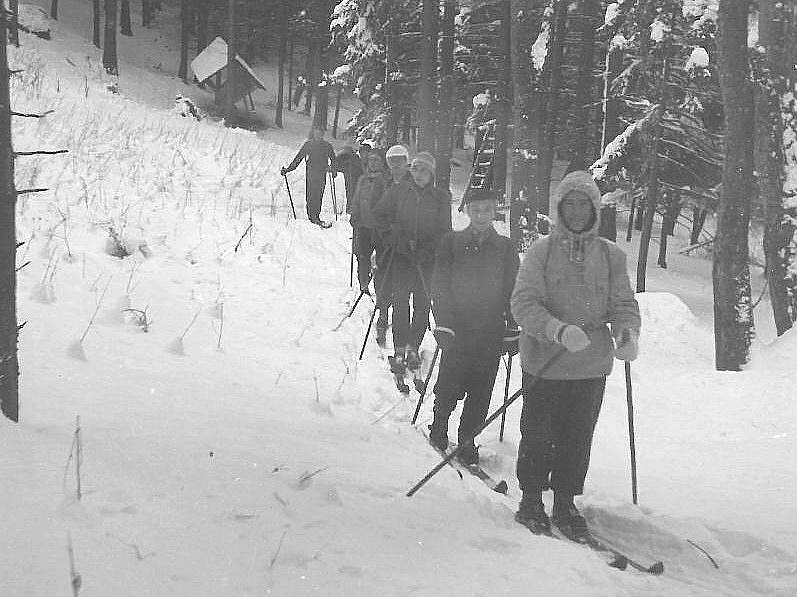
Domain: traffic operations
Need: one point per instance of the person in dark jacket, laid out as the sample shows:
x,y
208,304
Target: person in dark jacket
x,y
474,275
319,157
369,191
351,164
417,214
570,286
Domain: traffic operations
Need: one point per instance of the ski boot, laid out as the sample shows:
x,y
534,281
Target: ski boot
x,y
569,520
531,513
468,455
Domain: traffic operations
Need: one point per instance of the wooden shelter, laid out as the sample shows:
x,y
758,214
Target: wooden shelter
x,y
210,65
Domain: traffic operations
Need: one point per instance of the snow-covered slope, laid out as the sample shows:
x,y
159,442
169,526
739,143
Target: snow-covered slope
x,y
258,455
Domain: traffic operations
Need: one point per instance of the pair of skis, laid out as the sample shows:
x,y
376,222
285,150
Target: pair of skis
x,y
613,557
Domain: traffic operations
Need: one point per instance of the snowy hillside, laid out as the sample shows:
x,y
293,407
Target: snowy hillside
x,y
253,454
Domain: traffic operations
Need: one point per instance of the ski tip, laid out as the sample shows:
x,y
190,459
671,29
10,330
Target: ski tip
x,y
501,487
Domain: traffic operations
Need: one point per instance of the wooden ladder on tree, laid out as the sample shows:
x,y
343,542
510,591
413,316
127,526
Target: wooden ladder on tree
x,y
481,173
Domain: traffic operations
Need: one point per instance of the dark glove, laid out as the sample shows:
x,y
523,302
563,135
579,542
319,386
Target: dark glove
x,y
444,337
511,339
283,171
627,342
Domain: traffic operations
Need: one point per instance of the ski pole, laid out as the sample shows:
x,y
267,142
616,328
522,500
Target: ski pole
x,y
373,311
426,384
351,261
630,399
290,197
506,395
332,192
460,446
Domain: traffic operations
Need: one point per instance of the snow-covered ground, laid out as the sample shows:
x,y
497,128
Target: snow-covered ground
x,y
257,455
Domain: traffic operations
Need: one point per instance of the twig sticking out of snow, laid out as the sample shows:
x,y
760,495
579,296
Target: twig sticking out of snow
x,y
277,551
176,347
315,383
76,452
76,348
75,579
221,325
304,480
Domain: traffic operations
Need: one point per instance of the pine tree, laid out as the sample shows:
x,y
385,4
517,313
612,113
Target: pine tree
x,y
125,27
771,64
427,83
733,316
9,366
109,60
185,24
445,120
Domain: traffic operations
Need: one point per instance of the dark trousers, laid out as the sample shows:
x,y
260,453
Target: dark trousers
x,y
468,370
556,428
408,286
366,241
316,183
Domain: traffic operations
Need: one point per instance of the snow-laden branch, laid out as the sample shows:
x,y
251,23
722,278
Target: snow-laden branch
x,y
615,149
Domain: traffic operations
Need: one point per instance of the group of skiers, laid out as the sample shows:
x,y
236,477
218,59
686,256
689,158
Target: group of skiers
x,y
568,309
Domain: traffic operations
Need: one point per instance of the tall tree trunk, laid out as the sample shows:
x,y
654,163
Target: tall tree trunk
x,y
202,14
311,66
610,128
445,120
13,7
9,365
771,69
109,60
282,25
126,28
54,10
503,105
185,24
673,203
698,219
290,71
336,118
96,24
393,115
579,149
146,12
426,104
549,102
321,117
733,316
232,48
526,16
651,149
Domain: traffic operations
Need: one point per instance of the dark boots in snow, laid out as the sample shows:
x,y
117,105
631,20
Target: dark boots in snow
x,y
397,365
568,519
468,454
531,513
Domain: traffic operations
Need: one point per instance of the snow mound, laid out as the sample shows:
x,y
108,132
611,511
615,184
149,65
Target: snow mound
x,y
670,330
779,355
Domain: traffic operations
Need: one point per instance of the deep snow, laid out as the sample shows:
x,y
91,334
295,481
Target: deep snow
x,y
251,465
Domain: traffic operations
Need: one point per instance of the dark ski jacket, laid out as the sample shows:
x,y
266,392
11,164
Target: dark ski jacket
x,y
351,165
370,189
415,218
473,281
317,154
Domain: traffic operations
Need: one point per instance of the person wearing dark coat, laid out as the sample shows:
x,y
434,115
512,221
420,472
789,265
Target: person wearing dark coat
x,y
574,303
474,274
415,214
369,191
320,158
351,164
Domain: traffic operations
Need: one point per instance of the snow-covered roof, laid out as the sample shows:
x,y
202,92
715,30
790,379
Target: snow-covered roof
x,y
214,58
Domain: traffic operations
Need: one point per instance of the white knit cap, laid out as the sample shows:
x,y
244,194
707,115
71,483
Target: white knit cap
x,y
397,151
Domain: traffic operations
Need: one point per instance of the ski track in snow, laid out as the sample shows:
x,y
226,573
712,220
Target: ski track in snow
x,y
255,468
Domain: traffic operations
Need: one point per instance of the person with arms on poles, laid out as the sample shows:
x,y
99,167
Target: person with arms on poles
x,y
474,275
319,157
416,215
570,286
366,238
351,164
